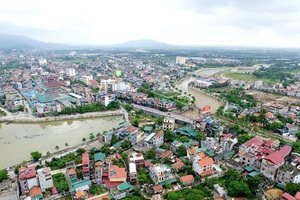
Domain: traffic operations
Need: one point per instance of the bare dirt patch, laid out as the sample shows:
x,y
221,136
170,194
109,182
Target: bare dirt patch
x,y
268,97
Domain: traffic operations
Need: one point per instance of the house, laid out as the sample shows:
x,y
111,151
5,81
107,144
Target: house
x,y
288,173
137,158
99,157
168,123
36,193
27,178
85,166
148,129
287,196
45,178
227,141
98,171
78,186
221,192
269,116
177,166
187,180
154,140
157,189
175,145
132,172
121,191
191,154
117,174
297,196
204,166
272,162
159,173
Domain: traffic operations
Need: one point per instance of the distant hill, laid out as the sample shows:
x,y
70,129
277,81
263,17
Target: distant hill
x,y
145,43
22,43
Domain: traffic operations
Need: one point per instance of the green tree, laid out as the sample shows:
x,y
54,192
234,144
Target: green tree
x,y
238,188
292,188
92,136
184,139
3,175
199,136
80,151
159,120
126,144
181,151
36,155
60,182
56,147
168,185
67,144
150,154
169,136
83,139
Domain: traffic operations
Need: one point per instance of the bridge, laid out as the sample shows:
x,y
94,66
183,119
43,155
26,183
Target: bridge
x,y
178,118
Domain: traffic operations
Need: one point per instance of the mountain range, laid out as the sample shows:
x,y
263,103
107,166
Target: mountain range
x,y
21,42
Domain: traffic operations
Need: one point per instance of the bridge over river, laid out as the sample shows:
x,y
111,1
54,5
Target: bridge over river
x,y
178,118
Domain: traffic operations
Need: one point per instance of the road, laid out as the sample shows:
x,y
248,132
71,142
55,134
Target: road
x,y
164,114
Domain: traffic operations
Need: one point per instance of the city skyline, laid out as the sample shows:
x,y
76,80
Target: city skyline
x,y
222,23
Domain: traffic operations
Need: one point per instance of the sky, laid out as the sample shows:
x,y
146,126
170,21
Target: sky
x,y
270,23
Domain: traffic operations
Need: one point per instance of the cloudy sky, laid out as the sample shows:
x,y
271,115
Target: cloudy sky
x,y
274,23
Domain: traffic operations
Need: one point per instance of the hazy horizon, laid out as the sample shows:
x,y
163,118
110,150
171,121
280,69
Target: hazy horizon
x,y
240,23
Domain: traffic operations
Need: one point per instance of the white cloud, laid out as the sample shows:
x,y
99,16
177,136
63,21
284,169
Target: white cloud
x,y
193,22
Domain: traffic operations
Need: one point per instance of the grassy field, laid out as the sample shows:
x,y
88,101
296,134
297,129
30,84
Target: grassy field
x,y
243,77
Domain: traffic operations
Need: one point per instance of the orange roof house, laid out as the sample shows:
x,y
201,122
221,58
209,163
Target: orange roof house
x,y
187,180
117,174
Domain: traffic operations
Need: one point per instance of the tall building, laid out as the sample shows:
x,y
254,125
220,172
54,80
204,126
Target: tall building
x,y
180,60
45,178
70,72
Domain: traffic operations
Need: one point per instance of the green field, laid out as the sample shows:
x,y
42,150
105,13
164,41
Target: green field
x,y
243,77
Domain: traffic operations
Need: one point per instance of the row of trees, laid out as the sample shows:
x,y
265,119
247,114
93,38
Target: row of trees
x,y
98,107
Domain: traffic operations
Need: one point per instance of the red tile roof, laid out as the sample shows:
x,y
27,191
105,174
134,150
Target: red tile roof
x,y
278,156
27,173
297,196
178,165
206,161
187,179
250,142
93,82
34,191
287,196
206,173
157,188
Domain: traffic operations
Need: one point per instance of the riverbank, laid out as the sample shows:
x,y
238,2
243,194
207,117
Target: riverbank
x,y
32,119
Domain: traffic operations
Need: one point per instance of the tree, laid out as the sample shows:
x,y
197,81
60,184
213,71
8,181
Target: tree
x,y
126,144
48,153
298,135
168,185
92,136
159,120
3,175
83,139
254,182
36,155
169,136
238,188
184,139
80,150
114,140
150,154
181,151
292,188
66,144
232,174
199,136
56,147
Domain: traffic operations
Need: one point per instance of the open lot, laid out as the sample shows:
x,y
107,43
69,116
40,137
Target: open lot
x,y
267,97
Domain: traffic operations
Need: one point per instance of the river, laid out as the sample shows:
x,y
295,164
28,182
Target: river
x,y
202,99
17,140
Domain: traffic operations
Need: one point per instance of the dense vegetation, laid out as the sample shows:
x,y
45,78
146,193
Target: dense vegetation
x,y
239,97
3,175
275,72
58,163
60,182
114,105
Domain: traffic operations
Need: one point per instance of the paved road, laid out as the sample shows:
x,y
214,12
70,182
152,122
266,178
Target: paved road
x,y
164,114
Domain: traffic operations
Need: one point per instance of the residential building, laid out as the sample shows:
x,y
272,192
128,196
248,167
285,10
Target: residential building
x,y
175,145
98,171
106,99
107,85
9,190
27,178
117,174
288,173
132,172
86,79
204,166
168,123
71,72
272,162
177,166
180,60
137,158
191,154
187,180
85,166
36,193
154,140
45,178
121,191
71,172
159,173
227,141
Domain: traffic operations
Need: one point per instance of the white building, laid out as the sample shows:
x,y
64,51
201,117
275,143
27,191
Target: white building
x,y
70,72
180,60
202,84
204,166
107,85
168,123
132,172
154,140
106,99
45,178
86,79
120,86
159,173
42,61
